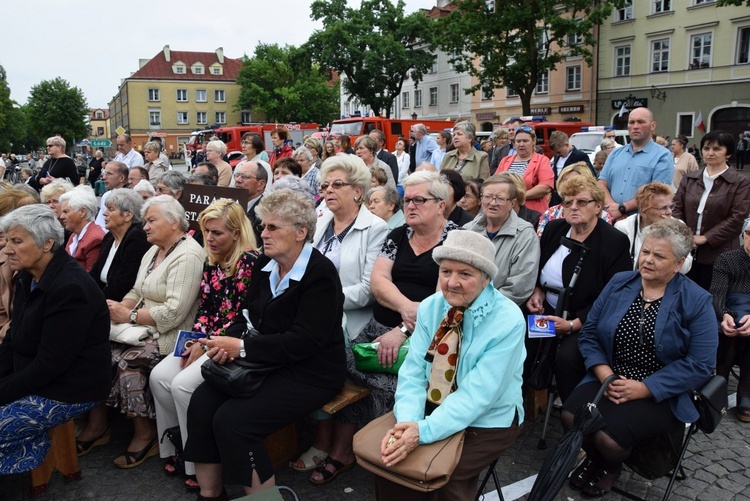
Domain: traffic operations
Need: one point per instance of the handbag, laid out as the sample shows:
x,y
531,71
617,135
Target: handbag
x,y
426,468
174,435
129,334
366,358
711,403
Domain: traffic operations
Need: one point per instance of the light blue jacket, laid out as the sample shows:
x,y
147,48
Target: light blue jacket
x,y
490,365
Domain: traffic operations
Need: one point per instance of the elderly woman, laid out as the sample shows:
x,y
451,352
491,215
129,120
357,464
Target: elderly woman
x,y
68,322
171,183
654,203
230,246
155,166
714,203
316,149
365,147
385,203
465,159
471,201
164,297
123,246
581,237
532,166
50,196
404,274
656,331
304,158
78,210
59,165
95,167
730,289
144,189
516,246
295,301
215,151
351,237
684,162
485,332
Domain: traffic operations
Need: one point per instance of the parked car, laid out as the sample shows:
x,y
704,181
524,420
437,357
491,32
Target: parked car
x,y
589,141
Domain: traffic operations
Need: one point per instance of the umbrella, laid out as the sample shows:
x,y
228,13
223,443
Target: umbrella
x,y
560,461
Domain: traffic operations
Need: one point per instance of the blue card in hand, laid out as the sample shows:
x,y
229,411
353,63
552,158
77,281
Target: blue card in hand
x,y
185,339
539,327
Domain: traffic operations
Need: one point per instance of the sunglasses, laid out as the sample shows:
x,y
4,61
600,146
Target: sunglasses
x,y
336,185
273,227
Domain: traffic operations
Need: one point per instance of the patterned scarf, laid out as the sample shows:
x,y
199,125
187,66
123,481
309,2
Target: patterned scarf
x,y
443,353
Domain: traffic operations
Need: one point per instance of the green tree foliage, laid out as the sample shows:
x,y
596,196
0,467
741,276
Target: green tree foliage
x,y
737,3
518,40
54,107
376,47
283,83
13,123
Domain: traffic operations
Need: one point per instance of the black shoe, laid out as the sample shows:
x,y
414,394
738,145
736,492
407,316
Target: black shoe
x,y
601,482
582,474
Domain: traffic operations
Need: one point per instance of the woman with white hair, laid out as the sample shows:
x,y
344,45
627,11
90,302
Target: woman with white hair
x,y
171,183
145,189
215,151
304,158
78,210
154,164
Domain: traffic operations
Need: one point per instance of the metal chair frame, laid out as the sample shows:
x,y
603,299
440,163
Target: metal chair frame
x,y
490,472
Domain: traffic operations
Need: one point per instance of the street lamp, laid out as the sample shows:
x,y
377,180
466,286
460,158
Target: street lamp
x,y
414,116
630,100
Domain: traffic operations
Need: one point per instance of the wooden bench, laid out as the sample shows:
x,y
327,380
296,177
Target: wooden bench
x,y
61,456
536,400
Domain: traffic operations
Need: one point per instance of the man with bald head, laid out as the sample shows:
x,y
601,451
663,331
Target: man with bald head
x,y
115,176
253,178
126,153
630,167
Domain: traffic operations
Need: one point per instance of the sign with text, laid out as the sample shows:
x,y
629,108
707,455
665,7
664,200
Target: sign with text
x,y
101,143
576,108
196,197
488,115
541,111
638,102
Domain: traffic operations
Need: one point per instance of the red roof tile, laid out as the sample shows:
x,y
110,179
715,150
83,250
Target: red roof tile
x,y
159,68
92,113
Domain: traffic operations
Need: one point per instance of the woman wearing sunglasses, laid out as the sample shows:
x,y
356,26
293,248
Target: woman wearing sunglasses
x,y
533,167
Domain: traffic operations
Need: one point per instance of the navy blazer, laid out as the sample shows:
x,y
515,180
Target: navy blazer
x,y
685,337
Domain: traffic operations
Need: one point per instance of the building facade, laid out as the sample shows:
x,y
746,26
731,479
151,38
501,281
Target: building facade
x,y
175,93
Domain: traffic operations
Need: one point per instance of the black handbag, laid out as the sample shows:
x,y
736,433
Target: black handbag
x,y
711,403
174,435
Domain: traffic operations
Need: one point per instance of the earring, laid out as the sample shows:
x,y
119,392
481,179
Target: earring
x,y
356,199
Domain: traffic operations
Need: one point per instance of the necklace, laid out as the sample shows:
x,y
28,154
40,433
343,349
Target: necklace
x,y
650,299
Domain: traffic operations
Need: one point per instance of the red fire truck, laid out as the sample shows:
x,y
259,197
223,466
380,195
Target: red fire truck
x,y
232,136
393,128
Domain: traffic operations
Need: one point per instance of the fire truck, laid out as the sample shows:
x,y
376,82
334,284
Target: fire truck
x,y
393,128
232,136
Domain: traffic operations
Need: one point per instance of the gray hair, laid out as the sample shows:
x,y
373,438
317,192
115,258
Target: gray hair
x,y
154,146
125,200
82,197
367,142
390,196
353,166
437,186
303,150
219,146
37,220
56,187
675,232
312,143
467,128
144,185
173,180
291,206
611,143
420,128
170,209
293,183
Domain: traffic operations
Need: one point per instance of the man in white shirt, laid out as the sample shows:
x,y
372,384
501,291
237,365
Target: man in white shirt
x,y
115,175
126,153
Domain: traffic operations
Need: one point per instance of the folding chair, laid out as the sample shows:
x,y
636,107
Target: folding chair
x,y
490,471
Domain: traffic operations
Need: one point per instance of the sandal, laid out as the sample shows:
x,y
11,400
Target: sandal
x,y
170,466
600,483
133,459
582,474
329,476
308,458
191,483
221,497
84,447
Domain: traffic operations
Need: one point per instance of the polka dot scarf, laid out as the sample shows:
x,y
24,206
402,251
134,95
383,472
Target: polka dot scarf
x,y
443,354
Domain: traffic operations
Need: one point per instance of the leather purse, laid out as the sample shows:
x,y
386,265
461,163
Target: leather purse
x,y
711,403
426,468
130,334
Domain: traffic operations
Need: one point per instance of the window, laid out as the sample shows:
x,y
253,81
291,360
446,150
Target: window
x,y
685,124
405,99
454,93
219,96
487,94
217,71
662,6
454,58
100,131
197,70
221,117
700,51
201,117
346,108
154,117
153,95
182,96
182,118
246,117
510,92
417,98
542,44
743,45
433,96
622,61
99,115
434,68
573,78
542,83
200,96
575,38
703,2
624,13
179,69
660,56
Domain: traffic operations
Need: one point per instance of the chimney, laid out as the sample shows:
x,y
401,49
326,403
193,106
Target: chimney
x,y
220,54
167,55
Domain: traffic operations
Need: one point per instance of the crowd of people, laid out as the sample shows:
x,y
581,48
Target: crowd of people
x,y
438,249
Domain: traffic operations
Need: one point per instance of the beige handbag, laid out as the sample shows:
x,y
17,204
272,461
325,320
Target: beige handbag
x,y
129,333
426,468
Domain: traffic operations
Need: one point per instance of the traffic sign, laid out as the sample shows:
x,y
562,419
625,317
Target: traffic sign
x,y
101,143
120,130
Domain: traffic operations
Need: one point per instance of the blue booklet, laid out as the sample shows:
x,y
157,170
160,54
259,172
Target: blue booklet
x,y
540,327
185,339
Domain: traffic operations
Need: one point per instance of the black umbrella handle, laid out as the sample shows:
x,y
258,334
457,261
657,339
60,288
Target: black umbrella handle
x,y
603,388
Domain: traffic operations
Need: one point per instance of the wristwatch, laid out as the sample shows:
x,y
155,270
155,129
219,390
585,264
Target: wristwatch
x,y
623,210
406,332
134,316
242,349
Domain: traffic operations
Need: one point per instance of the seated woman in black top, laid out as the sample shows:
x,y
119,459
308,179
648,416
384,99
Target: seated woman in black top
x,y
54,361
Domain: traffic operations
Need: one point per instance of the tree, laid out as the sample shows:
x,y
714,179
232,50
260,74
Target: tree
x,y
738,3
511,43
54,107
13,130
283,83
376,47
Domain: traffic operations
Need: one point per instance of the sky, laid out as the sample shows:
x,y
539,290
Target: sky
x,y
94,44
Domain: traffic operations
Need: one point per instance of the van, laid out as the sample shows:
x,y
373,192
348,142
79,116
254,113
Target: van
x,y
589,140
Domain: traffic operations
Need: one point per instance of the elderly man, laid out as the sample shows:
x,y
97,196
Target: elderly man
x,y
115,176
126,154
254,179
630,167
382,154
425,144
136,175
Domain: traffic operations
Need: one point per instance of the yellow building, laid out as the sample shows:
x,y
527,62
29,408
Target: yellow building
x,y
175,93
98,124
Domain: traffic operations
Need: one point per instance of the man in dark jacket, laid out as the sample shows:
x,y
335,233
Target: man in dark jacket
x,y
565,154
383,154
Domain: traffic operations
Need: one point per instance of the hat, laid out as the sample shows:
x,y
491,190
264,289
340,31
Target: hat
x,y
468,247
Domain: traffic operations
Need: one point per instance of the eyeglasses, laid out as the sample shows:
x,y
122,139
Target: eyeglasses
x,y
417,200
273,227
51,145
244,176
578,203
246,142
488,199
525,128
664,209
336,185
